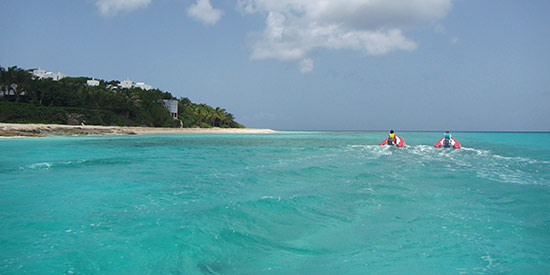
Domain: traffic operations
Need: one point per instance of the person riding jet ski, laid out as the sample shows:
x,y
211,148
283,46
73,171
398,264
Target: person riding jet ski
x,y
447,141
393,139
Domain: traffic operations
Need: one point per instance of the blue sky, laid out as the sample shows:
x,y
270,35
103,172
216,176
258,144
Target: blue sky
x,y
307,64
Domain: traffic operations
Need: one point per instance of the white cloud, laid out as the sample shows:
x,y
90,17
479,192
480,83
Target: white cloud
x,y
293,28
203,12
375,27
306,65
112,7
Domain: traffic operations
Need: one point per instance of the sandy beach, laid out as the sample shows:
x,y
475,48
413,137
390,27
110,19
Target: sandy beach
x,y
41,130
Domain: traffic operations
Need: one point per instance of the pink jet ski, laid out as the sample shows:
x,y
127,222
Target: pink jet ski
x,y
399,142
447,143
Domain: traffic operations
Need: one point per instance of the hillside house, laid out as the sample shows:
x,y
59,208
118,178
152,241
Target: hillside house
x,y
41,74
92,82
172,106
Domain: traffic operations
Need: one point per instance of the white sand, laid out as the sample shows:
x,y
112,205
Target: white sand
x,y
9,129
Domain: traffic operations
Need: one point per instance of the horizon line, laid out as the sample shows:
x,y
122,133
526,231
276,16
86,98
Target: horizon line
x,y
427,131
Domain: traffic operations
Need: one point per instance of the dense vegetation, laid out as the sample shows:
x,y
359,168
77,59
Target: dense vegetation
x,y
26,99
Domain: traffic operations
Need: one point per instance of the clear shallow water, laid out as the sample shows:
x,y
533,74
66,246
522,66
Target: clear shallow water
x,y
317,202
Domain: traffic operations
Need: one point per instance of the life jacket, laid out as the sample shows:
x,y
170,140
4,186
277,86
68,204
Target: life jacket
x,y
391,138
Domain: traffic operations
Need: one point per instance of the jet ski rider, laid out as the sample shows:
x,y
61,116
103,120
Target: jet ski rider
x,y
447,137
392,138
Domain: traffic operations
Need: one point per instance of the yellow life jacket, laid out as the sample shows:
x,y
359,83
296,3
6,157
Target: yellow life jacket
x,y
392,136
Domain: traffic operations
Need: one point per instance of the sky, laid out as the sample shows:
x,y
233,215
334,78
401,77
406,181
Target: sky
x,y
462,65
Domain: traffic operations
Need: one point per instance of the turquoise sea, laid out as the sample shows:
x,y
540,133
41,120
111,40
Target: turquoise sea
x,y
285,203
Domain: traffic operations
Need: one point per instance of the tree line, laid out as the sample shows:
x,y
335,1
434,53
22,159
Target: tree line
x,y
27,99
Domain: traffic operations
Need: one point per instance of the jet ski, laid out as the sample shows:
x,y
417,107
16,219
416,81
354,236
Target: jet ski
x,y
399,142
447,143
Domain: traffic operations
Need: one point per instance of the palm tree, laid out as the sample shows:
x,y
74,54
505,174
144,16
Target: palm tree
x,y
16,80
3,82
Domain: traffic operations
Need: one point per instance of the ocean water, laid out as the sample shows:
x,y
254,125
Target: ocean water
x,y
291,202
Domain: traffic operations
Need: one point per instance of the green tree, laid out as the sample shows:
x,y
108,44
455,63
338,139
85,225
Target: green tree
x,y
106,104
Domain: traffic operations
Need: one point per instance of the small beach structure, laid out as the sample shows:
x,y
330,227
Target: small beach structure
x,y
172,106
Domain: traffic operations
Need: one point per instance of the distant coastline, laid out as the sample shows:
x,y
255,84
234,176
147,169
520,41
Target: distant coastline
x,y
37,96
42,130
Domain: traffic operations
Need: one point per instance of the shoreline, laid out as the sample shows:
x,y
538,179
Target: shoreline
x,y
44,130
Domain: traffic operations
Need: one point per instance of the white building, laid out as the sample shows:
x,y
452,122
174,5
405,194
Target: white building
x,y
143,86
41,74
92,82
57,76
130,84
126,84
10,90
